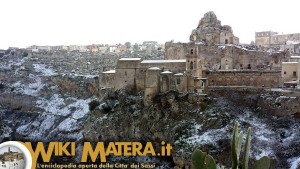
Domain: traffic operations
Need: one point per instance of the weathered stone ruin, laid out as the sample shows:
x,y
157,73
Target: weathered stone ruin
x,y
210,31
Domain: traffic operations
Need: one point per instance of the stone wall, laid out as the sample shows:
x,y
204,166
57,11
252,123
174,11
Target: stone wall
x,y
107,80
152,84
244,78
237,57
281,39
290,71
174,66
262,39
125,73
175,50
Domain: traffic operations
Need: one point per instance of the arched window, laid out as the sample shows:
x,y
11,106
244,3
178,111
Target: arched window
x,y
191,65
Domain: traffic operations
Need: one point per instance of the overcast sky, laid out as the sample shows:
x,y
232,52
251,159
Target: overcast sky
x,y
83,22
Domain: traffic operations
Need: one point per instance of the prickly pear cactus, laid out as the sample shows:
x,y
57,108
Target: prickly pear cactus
x,y
262,163
247,149
236,144
201,160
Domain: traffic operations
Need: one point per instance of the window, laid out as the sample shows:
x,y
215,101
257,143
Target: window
x,y
178,81
191,65
249,66
284,72
294,73
226,41
192,51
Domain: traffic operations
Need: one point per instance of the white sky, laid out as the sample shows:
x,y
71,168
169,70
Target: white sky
x,y
83,22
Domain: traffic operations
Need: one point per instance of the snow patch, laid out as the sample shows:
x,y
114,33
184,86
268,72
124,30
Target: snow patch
x,y
31,89
82,108
68,125
86,76
263,135
53,105
44,70
209,137
266,152
12,63
56,106
294,162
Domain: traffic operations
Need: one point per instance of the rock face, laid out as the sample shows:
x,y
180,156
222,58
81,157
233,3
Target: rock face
x,y
189,121
210,31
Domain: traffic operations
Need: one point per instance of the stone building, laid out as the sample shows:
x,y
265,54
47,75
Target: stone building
x,y
151,76
210,31
206,61
291,72
12,160
132,72
292,47
263,39
273,40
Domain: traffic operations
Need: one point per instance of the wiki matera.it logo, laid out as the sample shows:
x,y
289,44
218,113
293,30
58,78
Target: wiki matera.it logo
x,y
14,155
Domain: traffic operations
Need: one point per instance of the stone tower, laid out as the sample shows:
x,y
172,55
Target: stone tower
x,y
193,62
193,68
152,84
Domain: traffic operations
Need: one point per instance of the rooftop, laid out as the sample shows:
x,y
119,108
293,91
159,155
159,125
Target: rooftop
x,y
166,72
295,57
179,74
130,59
154,68
164,61
289,62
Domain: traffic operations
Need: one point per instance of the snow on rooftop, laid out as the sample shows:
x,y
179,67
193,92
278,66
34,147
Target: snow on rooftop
x,y
164,61
295,57
289,62
110,71
166,72
154,68
199,43
292,42
179,74
130,59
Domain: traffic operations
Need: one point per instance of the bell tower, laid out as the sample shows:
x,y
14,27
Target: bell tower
x,y
195,82
194,62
